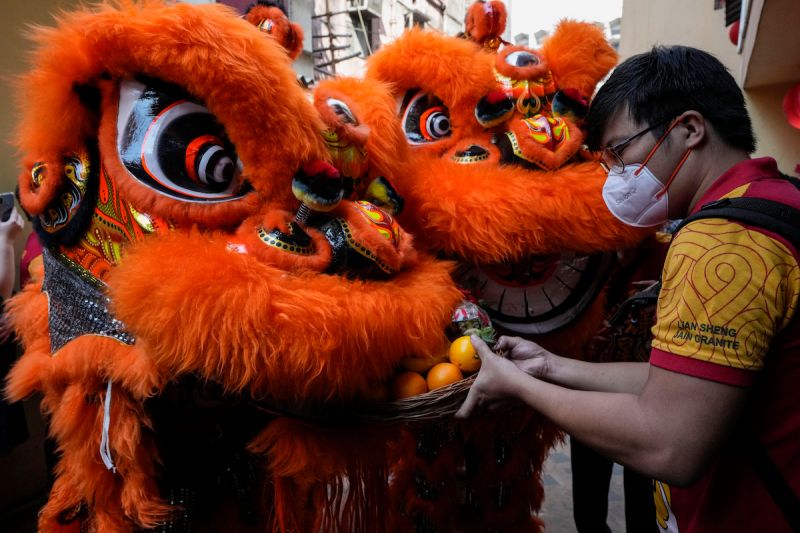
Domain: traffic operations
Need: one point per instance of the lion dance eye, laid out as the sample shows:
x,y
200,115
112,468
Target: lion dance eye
x,y
208,162
266,25
176,146
425,118
435,124
342,111
522,59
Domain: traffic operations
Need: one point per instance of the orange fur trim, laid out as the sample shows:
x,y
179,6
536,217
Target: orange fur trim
x,y
488,215
73,383
579,55
27,313
26,376
254,334
76,423
219,58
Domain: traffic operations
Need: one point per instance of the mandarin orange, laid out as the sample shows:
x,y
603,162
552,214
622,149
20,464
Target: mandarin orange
x,y
463,355
442,375
407,384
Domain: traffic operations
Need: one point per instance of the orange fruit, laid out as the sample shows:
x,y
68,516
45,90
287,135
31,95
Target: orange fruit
x,y
407,384
463,355
443,374
421,364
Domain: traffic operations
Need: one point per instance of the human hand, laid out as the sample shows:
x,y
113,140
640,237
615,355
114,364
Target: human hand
x,y
495,382
526,355
9,229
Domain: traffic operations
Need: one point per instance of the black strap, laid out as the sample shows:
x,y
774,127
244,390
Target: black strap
x,y
782,220
770,215
782,494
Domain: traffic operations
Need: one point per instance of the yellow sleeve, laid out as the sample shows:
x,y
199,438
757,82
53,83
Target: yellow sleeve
x,y
727,291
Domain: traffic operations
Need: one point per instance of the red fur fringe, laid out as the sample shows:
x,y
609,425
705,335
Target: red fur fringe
x,y
327,479
73,383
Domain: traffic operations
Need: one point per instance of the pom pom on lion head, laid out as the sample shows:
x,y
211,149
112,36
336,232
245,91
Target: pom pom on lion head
x,y
485,22
270,17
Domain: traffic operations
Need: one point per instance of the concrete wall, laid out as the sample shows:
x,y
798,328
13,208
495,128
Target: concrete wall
x,y
17,14
695,23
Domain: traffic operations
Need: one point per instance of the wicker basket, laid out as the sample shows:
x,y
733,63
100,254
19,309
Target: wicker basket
x,y
438,403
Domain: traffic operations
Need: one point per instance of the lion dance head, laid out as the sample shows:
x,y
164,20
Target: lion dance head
x,y
202,256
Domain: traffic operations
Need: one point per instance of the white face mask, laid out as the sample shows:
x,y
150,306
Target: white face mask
x,y
636,197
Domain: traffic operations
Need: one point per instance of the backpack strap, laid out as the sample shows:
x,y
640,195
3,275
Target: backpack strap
x,y
770,215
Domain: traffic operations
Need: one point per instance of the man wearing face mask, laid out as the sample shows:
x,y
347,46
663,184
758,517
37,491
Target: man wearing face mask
x,y
715,414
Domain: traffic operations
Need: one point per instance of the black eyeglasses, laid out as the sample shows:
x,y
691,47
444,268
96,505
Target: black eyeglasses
x,y
611,156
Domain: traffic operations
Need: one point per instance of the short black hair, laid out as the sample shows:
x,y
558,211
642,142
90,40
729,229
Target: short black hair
x,y
663,83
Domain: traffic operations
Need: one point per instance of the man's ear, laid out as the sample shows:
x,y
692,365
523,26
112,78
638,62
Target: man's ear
x,y
692,128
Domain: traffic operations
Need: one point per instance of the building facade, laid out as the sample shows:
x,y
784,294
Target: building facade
x,y
765,61
346,32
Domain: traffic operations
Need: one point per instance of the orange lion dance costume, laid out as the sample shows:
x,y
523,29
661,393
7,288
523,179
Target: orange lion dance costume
x,y
486,147
204,260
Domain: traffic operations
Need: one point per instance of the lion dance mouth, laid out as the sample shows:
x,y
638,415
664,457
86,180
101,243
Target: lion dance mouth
x,y
537,295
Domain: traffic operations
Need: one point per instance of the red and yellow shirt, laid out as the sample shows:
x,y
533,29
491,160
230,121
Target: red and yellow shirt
x,y
728,312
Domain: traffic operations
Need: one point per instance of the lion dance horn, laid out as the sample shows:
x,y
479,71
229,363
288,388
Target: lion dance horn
x,y
270,17
485,23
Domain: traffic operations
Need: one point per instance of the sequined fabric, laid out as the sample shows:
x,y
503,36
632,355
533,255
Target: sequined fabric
x,y
183,503
77,306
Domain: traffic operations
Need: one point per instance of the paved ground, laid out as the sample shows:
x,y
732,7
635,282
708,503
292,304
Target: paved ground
x,y
557,508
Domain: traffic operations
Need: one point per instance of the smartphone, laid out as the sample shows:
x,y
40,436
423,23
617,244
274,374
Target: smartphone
x,y
6,205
